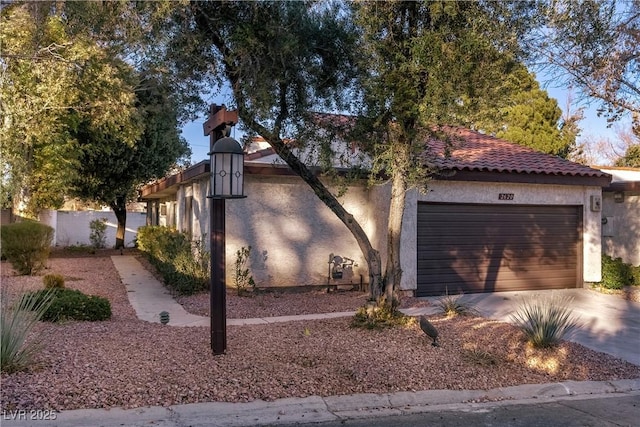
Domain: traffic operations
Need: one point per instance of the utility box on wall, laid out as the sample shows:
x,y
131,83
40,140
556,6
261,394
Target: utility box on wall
x,y
596,203
608,226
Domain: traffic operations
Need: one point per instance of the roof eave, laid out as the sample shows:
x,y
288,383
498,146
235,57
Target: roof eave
x,y
523,178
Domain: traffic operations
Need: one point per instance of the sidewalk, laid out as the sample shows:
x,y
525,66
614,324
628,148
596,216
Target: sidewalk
x,y
149,297
316,409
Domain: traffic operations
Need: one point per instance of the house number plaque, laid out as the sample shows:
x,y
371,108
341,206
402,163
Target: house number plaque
x,y
505,196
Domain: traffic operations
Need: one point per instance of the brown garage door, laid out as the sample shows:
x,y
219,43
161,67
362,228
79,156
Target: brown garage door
x,y
489,248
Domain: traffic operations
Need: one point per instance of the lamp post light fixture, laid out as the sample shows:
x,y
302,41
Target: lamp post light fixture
x,y
227,182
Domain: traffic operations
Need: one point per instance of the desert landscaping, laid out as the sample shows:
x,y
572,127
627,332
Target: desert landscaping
x,y
126,362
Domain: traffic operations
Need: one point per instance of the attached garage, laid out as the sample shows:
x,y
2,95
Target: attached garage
x,y
490,248
497,216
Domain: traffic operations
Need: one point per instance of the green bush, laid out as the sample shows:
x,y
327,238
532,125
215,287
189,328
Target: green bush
x,y
71,304
545,321
635,274
184,265
98,232
16,323
53,281
26,245
242,278
616,274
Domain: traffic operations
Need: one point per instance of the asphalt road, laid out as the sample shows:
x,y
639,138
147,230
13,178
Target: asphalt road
x,y
601,412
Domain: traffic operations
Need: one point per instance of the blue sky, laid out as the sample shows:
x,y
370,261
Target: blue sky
x,y
593,127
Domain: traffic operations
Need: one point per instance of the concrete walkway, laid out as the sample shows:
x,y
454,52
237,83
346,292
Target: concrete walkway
x,y
149,298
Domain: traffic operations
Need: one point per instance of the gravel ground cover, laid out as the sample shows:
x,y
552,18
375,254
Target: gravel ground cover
x,y
129,363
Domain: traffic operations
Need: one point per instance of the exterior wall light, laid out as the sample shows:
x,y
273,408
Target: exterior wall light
x,y
618,197
227,169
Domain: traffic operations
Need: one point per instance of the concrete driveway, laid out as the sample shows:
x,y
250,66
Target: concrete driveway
x,y
608,323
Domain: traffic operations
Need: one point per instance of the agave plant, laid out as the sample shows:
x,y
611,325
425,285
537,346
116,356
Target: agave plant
x,y
16,322
545,321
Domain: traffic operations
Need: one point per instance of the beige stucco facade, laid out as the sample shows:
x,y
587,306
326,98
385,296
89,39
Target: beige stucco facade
x,y
621,215
292,233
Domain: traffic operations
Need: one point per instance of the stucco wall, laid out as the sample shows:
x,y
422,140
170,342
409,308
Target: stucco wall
x,y
72,227
487,193
290,248
621,232
290,231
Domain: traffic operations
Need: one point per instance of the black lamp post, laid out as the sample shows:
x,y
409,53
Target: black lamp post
x,y
227,182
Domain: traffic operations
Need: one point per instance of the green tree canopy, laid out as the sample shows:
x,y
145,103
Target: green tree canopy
x,y
84,109
593,46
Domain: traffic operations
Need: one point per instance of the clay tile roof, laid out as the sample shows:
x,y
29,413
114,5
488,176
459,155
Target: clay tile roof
x,y
474,151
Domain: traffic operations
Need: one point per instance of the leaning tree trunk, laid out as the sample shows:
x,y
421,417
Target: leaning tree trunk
x,y
119,207
371,255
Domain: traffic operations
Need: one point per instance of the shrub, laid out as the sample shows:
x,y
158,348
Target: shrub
x,y
545,321
98,236
380,316
26,245
53,281
452,306
635,274
71,304
183,265
615,273
242,277
16,323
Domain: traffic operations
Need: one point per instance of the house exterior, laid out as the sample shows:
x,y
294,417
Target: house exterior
x,y
497,217
621,214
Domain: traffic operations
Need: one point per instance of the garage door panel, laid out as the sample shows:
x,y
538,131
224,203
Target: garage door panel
x,y
455,248
485,248
470,264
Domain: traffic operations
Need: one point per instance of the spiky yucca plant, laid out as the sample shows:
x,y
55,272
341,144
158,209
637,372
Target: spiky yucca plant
x,y
452,306
545,321
16,322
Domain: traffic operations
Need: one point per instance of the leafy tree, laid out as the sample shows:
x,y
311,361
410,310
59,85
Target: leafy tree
x,y
38,77
631,158
521,112
595,47
84,110
281,60
427,65
113,167
424,64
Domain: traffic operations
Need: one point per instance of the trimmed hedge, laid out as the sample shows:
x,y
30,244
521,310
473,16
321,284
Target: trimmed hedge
x,y
71,304
26,245
183,265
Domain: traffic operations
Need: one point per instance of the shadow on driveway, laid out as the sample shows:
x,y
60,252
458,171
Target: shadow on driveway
x,y
608,323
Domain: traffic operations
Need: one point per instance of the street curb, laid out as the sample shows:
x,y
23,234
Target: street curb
x,y
315,409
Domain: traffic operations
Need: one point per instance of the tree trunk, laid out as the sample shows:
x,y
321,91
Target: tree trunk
x,y
119,207
371,255
393,270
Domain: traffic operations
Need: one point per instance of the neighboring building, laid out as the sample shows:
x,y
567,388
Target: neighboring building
x,y
621,214
498,217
